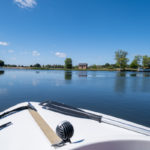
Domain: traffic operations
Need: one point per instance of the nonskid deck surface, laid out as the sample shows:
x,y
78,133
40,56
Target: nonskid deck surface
x,y
24,133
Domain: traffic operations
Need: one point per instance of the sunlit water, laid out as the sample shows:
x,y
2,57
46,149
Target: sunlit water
x,y
124,95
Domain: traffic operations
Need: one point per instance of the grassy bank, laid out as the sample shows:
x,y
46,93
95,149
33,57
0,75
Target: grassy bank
x,y
74,69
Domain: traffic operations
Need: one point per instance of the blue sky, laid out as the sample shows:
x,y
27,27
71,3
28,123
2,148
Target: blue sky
x,y
48,31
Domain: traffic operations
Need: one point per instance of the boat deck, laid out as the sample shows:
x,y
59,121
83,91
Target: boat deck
x,y
25,134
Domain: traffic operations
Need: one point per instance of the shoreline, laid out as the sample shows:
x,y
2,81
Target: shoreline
x,y
102,69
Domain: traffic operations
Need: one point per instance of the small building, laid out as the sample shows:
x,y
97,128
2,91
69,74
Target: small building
x,y
83,66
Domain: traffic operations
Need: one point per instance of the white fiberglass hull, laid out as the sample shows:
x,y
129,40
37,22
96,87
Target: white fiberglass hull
x,y
25,134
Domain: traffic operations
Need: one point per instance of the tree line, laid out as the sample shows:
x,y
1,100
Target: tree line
x,y
122,62
120,58
48,66
138,61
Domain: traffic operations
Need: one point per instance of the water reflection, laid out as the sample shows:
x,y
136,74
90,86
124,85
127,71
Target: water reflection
x,y
35,82
82,74
10,83
120,94
37,72
133,74
145,86
120,82
121,74
68,75
139,83
146,74
2,72
3,91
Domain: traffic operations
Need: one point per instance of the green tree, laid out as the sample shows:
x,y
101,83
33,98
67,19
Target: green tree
x,y
68,63
94,66
136,62
37,65
146,61
107,65
2,63
121,59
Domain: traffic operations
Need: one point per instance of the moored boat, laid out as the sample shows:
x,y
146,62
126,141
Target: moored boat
x,y
51,125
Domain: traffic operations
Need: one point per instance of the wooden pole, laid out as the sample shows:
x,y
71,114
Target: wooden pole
x,y
49,133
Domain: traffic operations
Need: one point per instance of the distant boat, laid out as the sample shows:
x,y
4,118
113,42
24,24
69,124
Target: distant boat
x,y
143,70
31,126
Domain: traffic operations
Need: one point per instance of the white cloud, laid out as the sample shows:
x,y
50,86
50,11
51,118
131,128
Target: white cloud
x,y
35,53
26,3
3,43
25,53
59,54
10,51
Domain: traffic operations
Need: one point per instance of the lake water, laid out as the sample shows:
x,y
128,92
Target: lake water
x,y
124,95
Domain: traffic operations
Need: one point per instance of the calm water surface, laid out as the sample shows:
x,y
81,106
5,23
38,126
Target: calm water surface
x,y
124,95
